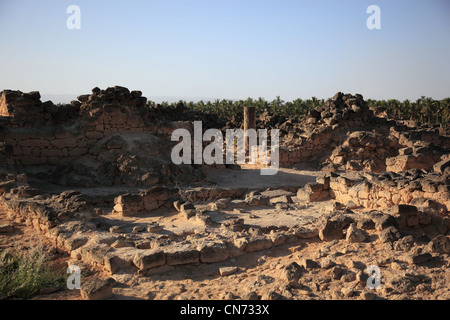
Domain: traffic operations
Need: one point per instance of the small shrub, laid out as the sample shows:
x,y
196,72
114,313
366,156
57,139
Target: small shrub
x,y
23,275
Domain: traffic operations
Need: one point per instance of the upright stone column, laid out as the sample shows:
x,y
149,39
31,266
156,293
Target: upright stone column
x,y
249,123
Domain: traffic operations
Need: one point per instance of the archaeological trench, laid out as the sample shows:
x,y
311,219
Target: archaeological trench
x,y
95,178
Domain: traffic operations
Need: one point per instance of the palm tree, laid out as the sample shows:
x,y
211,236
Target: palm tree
x,y
394,108
405,108
445,110
277,104
427,108
315,102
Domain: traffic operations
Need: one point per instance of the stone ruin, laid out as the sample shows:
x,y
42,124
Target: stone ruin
x,y
96,179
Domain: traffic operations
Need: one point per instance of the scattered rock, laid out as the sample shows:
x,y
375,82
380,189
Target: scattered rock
x,y
226,271
385,221
441,166
154,227
332,228
440,244
362,277
408,215
354,234
355,265
188,210
366,224
347,292
368,295
271,295
404,244
389,234
308,264
250,296
348,276
336,273
291,273
418,258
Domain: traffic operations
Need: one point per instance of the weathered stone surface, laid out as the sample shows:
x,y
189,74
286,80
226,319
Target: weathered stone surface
x,y
181,255
408,215
188,210
441,166
281,199
404,244
291,273
97,289
366,224
129,204
428,206
385,221
120,259
149,259
440,244
313,192
213,252
308,264
95,253
258,243
418,258
333,226
389,234
74,242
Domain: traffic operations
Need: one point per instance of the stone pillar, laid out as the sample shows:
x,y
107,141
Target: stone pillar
x,y
249,123
249,118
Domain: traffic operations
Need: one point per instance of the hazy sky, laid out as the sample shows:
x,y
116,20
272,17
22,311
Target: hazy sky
x,y
228,48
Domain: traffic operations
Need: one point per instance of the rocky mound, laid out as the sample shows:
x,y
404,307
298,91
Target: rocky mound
x,y
340,107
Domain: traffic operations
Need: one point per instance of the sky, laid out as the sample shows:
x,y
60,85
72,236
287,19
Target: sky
x,y
227,49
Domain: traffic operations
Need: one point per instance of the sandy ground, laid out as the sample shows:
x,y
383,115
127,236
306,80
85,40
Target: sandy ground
x,y
262,273
252,178
335,272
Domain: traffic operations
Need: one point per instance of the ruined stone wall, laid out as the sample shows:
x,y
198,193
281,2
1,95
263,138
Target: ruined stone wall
x,y
383,191
383,194
320,142
364,142
37,136
18,104
50,147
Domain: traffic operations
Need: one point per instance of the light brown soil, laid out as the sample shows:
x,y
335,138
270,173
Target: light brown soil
x,y
261,272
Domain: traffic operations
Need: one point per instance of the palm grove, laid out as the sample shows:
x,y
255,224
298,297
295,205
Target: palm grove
x,y
423,110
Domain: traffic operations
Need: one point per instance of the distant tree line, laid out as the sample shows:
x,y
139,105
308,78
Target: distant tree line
x,y
423,110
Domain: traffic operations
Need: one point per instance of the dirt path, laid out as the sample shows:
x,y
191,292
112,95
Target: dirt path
x,y
252,178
